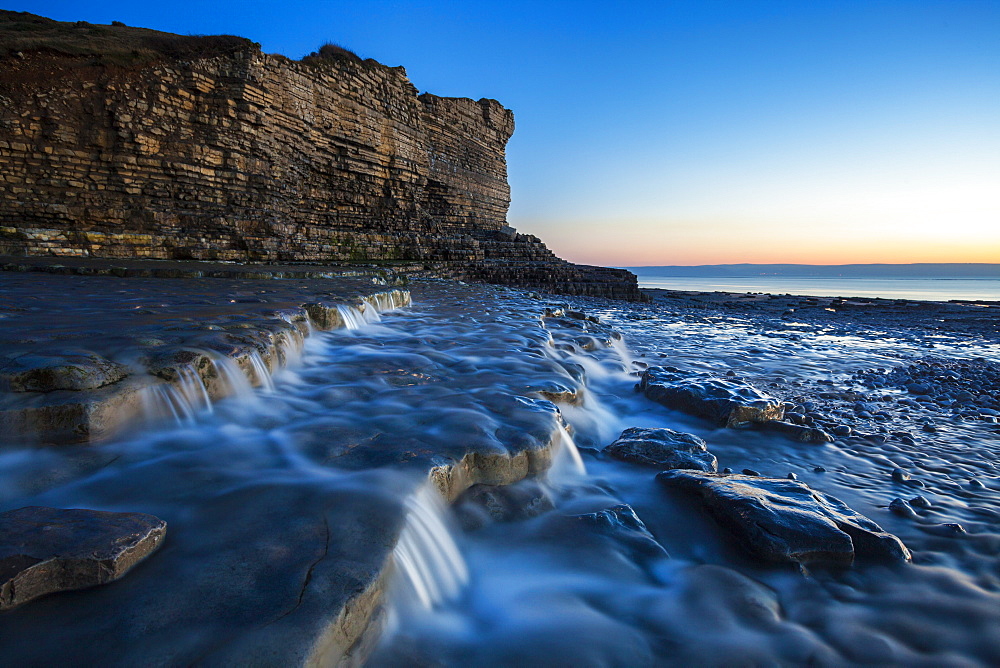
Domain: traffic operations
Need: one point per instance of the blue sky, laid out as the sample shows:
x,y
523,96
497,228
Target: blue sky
x,y
693,132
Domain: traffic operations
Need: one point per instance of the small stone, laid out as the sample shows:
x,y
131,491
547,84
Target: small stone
x,y
792,476
899,475
751,472
842,430
819,469
727,471
946,529
901,508
920,502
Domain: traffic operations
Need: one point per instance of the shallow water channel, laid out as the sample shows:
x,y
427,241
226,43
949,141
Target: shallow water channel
x,y
340,441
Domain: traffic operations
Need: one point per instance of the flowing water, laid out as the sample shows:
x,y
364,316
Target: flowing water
x,y
315,470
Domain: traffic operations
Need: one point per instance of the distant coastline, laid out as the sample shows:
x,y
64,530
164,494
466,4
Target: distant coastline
x,y
924,270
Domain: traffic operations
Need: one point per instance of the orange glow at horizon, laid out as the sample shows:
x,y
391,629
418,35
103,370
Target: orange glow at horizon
x,y
642,243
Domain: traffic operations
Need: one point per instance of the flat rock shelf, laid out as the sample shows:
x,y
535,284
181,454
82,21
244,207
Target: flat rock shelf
x,y
289,503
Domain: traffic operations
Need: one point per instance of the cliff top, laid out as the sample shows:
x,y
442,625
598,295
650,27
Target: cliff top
x,y
119,44
116,44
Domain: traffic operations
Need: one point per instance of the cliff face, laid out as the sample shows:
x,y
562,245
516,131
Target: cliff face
x,y
250,157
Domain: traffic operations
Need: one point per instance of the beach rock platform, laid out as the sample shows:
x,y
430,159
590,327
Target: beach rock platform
x,y
663,449
83,355
285,507
785,520
46,550
731,402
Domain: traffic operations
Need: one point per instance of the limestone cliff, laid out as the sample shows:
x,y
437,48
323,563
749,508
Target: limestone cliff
x,y
222,152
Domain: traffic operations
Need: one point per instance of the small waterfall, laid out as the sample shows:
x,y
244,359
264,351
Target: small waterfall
x,y
370,313
567,463
235,381
428,560
352,317
180,401
261,371
624,353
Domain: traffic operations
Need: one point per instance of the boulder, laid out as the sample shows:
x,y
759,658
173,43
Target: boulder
x,y
728,401
45,550
663,449
784,520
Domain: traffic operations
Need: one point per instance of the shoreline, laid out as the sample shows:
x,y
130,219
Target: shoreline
x,y
542,330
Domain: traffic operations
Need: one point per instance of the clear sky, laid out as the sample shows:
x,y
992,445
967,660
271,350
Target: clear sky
x,y
692,132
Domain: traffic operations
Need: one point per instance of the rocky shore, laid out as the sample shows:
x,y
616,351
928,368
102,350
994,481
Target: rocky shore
x,y
853,440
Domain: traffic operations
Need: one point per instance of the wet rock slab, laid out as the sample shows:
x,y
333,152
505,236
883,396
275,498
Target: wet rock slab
x,y
663,449
728,401
46,550
785,520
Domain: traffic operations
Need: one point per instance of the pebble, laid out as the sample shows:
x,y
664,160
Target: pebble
x,y
751,472
792,476
899,475
727,470
920,502
901,508
819,469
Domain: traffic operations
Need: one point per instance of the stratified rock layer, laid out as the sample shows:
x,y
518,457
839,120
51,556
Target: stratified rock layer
x,y
242,156
785,520
45,550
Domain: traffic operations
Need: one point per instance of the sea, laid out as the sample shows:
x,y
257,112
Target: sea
x,y
927,289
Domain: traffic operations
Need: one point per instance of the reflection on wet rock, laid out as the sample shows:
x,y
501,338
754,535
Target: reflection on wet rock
x,y
663,449
728,401
784,520
47,550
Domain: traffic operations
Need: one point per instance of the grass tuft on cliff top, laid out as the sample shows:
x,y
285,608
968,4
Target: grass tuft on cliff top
x,y
22,32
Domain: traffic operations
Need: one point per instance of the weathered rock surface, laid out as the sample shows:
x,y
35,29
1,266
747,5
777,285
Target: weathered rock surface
x,y
68,371
46,550
731,402
236,155
663,449
784,520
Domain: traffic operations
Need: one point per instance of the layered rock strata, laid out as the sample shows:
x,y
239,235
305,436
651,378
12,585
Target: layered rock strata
x,y
242,156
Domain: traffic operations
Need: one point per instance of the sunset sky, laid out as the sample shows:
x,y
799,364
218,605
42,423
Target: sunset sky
x,y
694,132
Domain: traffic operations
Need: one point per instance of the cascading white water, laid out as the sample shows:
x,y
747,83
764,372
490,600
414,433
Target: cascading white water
x,y
567,464
370,313
261,371
352,317
428,560
235,381
180,401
